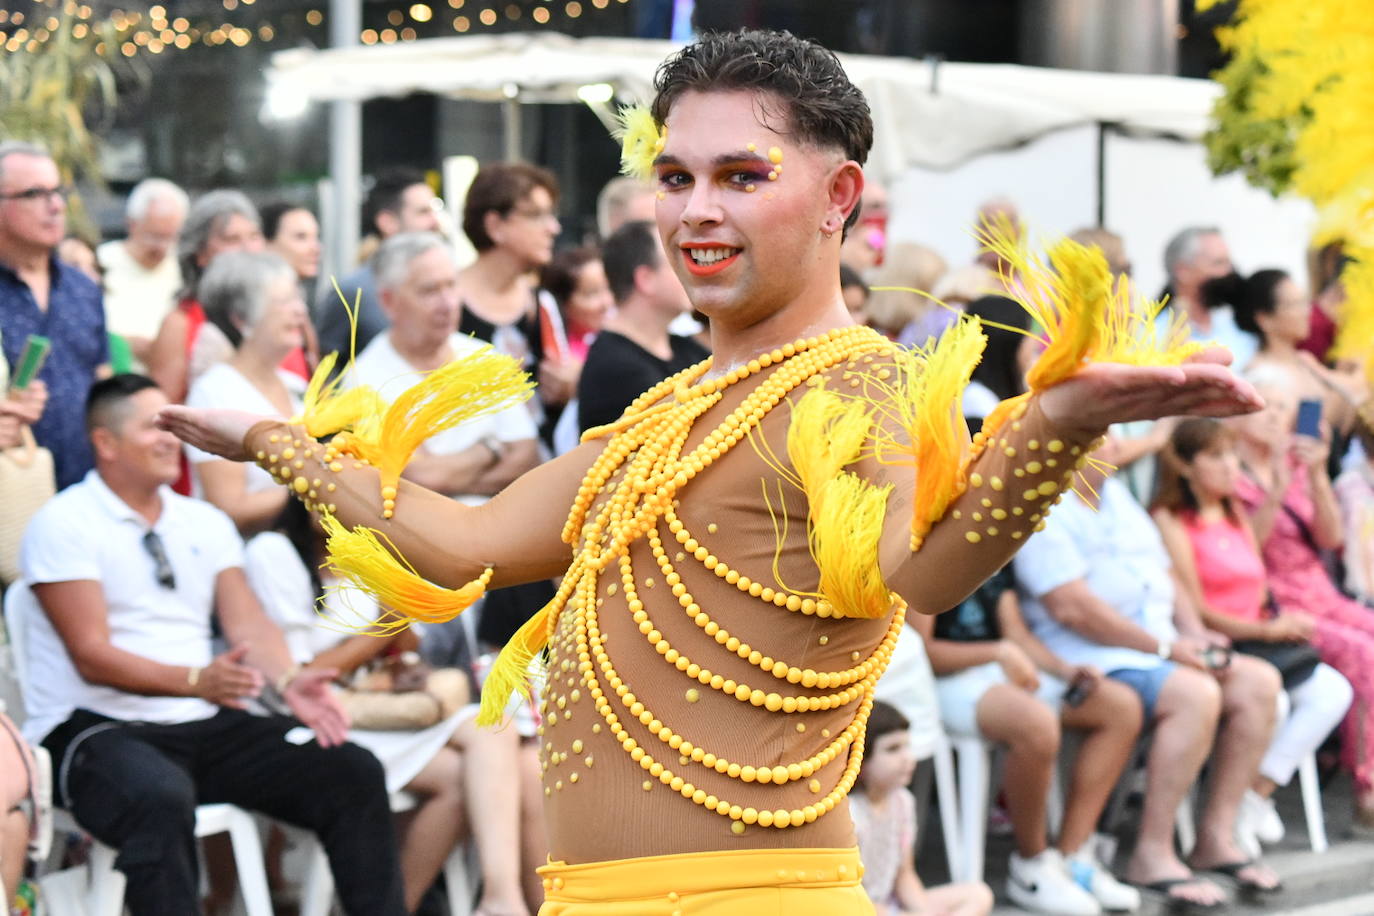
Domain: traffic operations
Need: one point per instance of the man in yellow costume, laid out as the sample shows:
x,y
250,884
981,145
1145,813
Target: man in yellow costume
x,y
738,551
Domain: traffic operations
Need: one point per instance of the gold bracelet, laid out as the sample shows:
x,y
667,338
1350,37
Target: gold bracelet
x,y
193,678
285,678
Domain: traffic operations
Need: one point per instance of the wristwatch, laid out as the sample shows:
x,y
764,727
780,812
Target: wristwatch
x,y
1165,649
495,446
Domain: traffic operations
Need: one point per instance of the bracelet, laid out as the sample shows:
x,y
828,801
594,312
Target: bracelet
x,y
193,677
285,678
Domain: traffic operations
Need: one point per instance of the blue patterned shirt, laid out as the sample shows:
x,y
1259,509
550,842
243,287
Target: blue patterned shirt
x,y
75,323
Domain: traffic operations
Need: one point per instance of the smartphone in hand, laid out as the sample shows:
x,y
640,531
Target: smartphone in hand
x,y
1309,422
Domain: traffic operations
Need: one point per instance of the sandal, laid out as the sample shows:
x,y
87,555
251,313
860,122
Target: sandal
x,y
1182,904
1233,871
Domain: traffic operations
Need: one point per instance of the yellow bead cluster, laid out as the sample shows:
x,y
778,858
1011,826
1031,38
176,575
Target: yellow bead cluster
x,y
646,451
285,460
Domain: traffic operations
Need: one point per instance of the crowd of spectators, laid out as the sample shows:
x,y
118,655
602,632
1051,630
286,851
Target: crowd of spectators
x,y
1207,599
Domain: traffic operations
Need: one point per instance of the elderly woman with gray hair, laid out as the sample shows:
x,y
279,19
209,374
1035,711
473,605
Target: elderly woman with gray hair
x,y
217,222
254,294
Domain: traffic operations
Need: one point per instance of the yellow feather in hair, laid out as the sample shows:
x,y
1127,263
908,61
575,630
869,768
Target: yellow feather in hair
x,y
848,515
641,140
364,557
477,384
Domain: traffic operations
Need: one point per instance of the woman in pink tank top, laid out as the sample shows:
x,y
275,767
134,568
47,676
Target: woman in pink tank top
x,y
1221,568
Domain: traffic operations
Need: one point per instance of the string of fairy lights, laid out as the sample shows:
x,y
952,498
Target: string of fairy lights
x,y
154,30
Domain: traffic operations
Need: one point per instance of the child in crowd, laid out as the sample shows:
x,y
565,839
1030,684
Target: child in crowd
x,y
884,812
1218,561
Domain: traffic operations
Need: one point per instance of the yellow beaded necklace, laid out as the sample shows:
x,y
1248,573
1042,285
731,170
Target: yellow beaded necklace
x,y
646,450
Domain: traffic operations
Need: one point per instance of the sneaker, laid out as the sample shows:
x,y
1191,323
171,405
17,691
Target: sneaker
x,y
1043,885
1263,817
1093,877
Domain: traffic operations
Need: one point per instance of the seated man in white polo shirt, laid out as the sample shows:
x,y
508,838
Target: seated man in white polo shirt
x,y
417,286
1097,589
142,723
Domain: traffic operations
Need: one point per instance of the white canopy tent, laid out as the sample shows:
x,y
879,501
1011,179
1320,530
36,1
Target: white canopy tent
x,y
929,118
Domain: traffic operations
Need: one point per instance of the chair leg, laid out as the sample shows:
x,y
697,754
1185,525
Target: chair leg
x,y
943,760
317,886
106,892
975,765
1183,822
458,879
1312,802
248,858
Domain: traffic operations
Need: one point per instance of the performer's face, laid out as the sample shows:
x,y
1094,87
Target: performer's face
x,y
746,245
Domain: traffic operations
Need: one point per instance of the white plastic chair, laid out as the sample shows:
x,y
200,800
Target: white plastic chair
x,y
104,893
317,885
1308,783
942,758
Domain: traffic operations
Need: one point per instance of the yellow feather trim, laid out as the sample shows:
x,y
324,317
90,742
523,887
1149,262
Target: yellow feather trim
x,y
641,140
510,674
826,433
326,410
848,515
1085,314
480,383
366,558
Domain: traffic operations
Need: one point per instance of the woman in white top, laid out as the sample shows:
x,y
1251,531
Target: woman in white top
x,y
255,292
467,780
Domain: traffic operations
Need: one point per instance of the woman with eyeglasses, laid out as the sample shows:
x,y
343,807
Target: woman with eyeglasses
x,y
511,218
256,296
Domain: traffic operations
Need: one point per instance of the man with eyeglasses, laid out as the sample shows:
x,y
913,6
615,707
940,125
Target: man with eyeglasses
x,y
400,201
41,295
142,721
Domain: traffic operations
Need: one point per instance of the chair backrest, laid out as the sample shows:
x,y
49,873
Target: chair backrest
x,y
19,603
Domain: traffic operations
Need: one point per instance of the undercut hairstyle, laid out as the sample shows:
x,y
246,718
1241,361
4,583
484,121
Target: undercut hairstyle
x,y
998,369
272,214
821,108
1259,295
387,191
107,404
497,188
20,148
559,276
155,190
233,291
632,246
849,277
391,263
1183,247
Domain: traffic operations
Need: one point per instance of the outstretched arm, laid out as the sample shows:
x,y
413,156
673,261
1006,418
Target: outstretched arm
x,y
1030,461
517,533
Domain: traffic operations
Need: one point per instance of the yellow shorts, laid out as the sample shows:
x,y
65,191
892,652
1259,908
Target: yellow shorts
x,y
747,882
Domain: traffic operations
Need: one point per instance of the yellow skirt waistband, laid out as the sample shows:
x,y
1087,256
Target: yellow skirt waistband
x,y
746,882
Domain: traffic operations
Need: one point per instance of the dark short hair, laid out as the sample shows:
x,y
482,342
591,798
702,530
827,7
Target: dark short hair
x,y
998,369
497,188
1258,296
559,276
884,720
107,398
387,190
271,214
822,108
632,246
850,277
